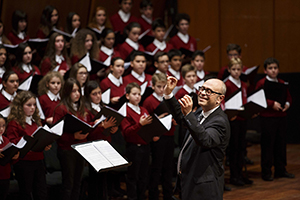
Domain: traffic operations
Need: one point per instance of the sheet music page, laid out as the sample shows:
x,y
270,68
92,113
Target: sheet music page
x,y
109,153
58,128
235,102
26,84
93,156
38,105
259,98
166,121
143,87
249,70
123,110
86,62
106,96
5,112
176,89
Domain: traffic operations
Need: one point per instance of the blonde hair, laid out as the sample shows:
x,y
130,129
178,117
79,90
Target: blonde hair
x,y
235,61
42,86
158,77
17,112
187,68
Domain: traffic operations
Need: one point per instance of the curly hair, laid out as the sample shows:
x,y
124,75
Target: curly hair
x,y
42,86
51,52
78,48
17,111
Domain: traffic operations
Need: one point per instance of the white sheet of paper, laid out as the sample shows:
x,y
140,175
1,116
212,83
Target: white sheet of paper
x,y
123,110
38,105
259,98
26,84
143,87
106,96
167,121
86,62
235,102
5,112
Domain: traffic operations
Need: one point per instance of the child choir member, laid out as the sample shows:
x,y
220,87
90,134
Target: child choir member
x,y
4,64
97,181
114,80
146,19
72,163
73,23
138,75
49,89
6,169
188,73
161,62
85,42
132,32
182,39
162,151
175,58
137,150
24,68
99,20
107,51
30,172
19,28
238,126
10,82
56,58
3,38
49,20
198,61
121,19
159,31
80,73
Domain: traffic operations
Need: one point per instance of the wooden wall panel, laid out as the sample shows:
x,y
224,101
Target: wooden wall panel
x,y
287,32
34,10
249,24
204,27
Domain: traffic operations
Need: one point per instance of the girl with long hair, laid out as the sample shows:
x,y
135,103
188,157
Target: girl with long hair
x,y
30,172
49,20
19,28
56,58
80,73
23,67
4,64
10,82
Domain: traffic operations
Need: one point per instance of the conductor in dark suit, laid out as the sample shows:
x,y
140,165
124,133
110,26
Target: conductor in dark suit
x,y
200,162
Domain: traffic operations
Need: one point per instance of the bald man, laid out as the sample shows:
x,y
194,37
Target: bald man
x,y
200,162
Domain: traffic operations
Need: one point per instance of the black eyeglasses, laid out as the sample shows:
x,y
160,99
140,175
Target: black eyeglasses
x,y
208,91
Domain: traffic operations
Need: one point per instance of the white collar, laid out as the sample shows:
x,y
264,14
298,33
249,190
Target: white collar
x,y
124,16
207,113
149,21
200,74
158,71
141,78
161,45
2,71
106,50
26,68
159,98
185,38
133,44
52,96
175,73
75,106
59,59
1,139
21,35
271,79
8,96
96,107
82,91
28,120
114,80
235,81
101,28
188,89
136,109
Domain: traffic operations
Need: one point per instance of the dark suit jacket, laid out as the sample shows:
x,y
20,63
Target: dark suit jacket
x,y
202,172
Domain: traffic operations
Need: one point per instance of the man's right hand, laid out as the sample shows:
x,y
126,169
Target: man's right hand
x,y
171,84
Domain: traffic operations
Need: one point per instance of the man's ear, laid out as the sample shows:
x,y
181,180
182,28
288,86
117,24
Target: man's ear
x,y
220,99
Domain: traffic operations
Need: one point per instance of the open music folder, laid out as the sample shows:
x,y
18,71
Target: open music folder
x,y
157,128
101,155
10,150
